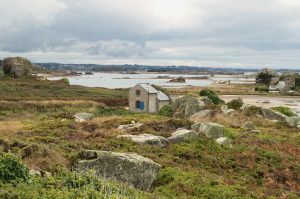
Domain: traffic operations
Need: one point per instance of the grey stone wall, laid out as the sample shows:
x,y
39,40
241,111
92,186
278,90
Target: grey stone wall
x,y
162,103
152,103
133,98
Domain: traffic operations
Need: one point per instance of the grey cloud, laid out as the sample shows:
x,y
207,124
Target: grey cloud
x,y
117,48
222,32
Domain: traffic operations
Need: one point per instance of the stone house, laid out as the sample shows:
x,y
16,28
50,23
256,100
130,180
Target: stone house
x,y
145,98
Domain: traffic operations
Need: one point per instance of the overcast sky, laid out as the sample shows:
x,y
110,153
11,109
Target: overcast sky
x,y
216,33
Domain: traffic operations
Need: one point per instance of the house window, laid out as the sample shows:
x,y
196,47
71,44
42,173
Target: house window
x,y
139,105
138,93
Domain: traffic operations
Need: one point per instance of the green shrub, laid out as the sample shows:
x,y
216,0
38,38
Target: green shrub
x,y
284,110
166,111
261,89
235,104
70,185
211,95
252,111
66,81
164,177
264,78
12,169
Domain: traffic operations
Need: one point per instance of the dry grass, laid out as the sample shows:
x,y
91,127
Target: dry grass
x,y
48,103
7,128
45,159
235,121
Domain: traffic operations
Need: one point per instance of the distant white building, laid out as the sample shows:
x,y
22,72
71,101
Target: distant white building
x,y
145,98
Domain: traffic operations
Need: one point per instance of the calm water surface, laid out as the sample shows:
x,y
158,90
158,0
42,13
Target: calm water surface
x,y
116,80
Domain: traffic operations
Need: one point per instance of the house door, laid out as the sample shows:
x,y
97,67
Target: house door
x,y
140,105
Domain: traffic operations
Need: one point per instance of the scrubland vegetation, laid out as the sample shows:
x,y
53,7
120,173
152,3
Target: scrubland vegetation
x,y
284,110
27,88
37,126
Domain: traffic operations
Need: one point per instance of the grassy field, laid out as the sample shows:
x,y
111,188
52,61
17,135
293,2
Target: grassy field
x,y
37,124
36,89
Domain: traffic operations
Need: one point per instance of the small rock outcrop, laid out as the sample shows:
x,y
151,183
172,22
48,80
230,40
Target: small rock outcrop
x,y
250,127
291,79
186,106
130,168
210,130
181,135
196,127
207,102
226,111
273,115
133,126
202,114
83,117
35,173
40,173
293,121
224,141
148,139
17,67
178,80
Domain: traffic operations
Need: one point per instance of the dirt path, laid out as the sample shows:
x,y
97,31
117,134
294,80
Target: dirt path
x,y
267,101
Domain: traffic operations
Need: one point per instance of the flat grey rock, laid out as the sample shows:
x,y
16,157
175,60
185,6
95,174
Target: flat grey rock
x,y
148,139
129,168
83,117
212,130
181,135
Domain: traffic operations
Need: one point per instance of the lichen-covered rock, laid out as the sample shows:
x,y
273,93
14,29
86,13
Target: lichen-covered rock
x,y
212,130
293,121
224,141
196,127
133,126
273,115
35,173
17,66
226,111
186,106
83,117
147,139
207,102
202,114
88,155
181,135
249,126
130,168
